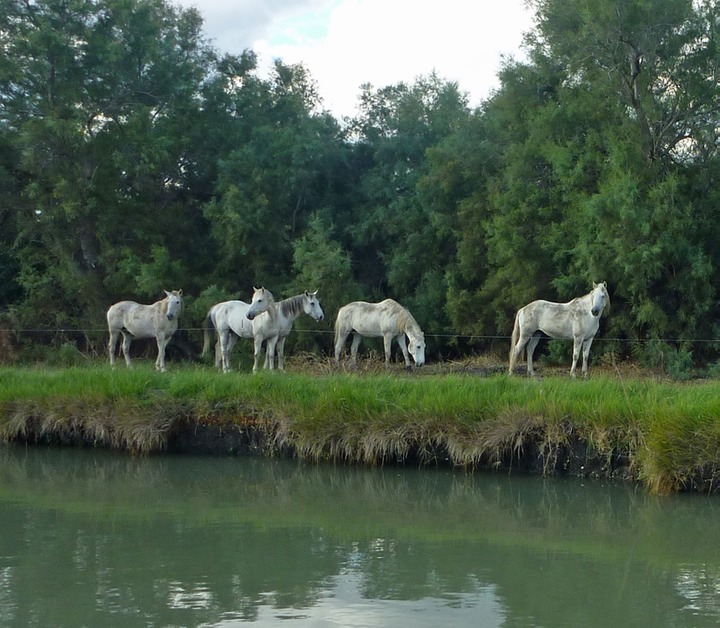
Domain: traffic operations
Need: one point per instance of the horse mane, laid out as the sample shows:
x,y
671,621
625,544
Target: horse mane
x,y
606,309
292,307
405,320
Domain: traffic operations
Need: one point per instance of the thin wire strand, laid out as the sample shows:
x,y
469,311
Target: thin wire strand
x,y
62,330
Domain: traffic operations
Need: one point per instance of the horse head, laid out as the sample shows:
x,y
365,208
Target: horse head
x,y
311,306
600,298
416,348
262,300
174,304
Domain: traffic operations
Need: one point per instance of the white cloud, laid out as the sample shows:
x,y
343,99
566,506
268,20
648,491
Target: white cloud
x,y
345,43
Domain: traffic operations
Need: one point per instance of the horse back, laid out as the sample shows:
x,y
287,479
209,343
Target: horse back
x,y
232,315
139,320
369,319
118,312
557,320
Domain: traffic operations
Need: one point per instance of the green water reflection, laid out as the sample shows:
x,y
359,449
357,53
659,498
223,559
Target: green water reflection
x,y
91,538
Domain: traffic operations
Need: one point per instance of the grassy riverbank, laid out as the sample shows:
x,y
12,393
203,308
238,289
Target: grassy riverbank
x,y
664,434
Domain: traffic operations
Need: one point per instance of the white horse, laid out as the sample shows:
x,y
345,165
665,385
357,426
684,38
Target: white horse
x,y
387,319
134,320
271,325
233,319
577,320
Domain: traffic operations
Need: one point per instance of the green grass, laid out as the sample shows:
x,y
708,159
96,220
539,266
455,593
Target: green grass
x,y
670,431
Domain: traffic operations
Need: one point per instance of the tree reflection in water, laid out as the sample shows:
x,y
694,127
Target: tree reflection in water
x,y
92,536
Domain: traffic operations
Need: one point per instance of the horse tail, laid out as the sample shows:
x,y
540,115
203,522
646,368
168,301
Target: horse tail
x,y
208,329
338,323
514,340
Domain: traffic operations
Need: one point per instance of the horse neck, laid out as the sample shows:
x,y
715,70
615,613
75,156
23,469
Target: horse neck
x,y
272,310
292,307
407,324
585,303
161,307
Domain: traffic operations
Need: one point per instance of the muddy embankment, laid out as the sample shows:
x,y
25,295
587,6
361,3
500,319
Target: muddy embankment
x,y
531,451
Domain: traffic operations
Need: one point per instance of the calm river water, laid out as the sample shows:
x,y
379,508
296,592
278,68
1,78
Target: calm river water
x,y
94,538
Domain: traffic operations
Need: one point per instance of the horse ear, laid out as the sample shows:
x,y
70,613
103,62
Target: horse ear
x,y
594,285
167,294
180,292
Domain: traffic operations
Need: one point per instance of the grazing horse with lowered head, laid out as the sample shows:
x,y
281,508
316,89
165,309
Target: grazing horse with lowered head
x,y
134,320
270,324
387,319
577,320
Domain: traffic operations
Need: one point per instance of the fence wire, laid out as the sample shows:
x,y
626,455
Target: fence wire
x,y
449,336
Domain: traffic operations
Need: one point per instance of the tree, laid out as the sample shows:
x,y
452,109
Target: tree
x,y
90,91
657,58
283,166
657,62
321,264
400,231
596,142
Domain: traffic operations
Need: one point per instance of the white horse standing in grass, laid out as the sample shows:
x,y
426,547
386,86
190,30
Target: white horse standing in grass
x,y
232,320
270,324
387,319
577,320
134,320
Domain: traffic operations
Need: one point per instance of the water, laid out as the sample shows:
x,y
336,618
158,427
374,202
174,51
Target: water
x,y
91,538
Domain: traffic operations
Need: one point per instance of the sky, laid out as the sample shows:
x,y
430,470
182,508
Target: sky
x,y
346,43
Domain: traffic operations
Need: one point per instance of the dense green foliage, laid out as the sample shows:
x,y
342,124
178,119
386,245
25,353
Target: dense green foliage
x,y
136,158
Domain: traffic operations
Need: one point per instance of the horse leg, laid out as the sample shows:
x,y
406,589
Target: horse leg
x,y
340,338
266,361
586,354
218,354
387,343
577,345
223,339
403,347
270,353
162,341
516,352
281,353
230,341
531,344
354,348
112,345
257,341
127,339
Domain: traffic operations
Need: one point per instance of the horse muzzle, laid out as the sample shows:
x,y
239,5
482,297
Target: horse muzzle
x,y
594,311
250,316
170,316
